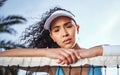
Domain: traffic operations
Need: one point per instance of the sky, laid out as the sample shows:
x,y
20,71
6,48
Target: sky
x,y
99,20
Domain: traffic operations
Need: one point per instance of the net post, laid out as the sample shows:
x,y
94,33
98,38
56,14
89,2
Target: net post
x,y
37,70
70,68
105,67
27,70
48,69
81,70
93,70
117,69
7,70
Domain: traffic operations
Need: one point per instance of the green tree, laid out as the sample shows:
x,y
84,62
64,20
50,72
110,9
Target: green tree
x,y
2,2
5,27
6,22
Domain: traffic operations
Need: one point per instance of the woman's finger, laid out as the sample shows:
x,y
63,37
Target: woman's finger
x,y
73,56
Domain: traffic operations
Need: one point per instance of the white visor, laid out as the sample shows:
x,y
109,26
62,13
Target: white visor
x,y
55,15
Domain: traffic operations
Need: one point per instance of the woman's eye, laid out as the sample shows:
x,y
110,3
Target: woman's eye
x,y
69,26
56,30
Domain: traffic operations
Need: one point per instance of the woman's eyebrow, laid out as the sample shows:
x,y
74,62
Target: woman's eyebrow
x,y
55,27
67,23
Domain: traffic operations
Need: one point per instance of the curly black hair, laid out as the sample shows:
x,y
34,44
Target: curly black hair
x,y
35,36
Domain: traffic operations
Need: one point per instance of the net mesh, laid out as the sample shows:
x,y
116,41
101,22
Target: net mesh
x,y
43,65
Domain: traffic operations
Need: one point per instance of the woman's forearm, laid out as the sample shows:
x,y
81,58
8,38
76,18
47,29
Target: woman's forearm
x,y
91,52
101,50
97,50
65,56
23,52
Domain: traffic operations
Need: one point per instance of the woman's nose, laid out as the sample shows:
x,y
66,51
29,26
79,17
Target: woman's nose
x,y
65,33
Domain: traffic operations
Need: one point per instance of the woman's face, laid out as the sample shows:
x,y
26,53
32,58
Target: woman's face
x,y
64,32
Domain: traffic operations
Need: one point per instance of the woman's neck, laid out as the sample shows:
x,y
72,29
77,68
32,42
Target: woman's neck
x,y
76,46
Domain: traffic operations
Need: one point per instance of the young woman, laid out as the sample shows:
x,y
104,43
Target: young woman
x,y
55,37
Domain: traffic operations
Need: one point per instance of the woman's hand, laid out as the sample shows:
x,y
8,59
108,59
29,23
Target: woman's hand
x,y
64,56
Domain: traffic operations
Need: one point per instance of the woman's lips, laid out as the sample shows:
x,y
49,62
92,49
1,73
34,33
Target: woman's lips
x,y
67,41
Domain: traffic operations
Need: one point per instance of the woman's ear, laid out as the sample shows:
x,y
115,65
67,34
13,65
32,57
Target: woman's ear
x,y
78,28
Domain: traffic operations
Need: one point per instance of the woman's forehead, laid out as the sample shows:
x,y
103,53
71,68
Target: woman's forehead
x,y
61,20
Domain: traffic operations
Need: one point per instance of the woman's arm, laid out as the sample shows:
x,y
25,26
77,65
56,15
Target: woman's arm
x,y
21,52
101,50
65,56
91,52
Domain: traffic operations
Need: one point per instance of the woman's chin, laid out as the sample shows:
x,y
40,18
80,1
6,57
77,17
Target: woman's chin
x,y
68,46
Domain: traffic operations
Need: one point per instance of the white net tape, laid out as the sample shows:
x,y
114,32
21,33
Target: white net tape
x,y
43,61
